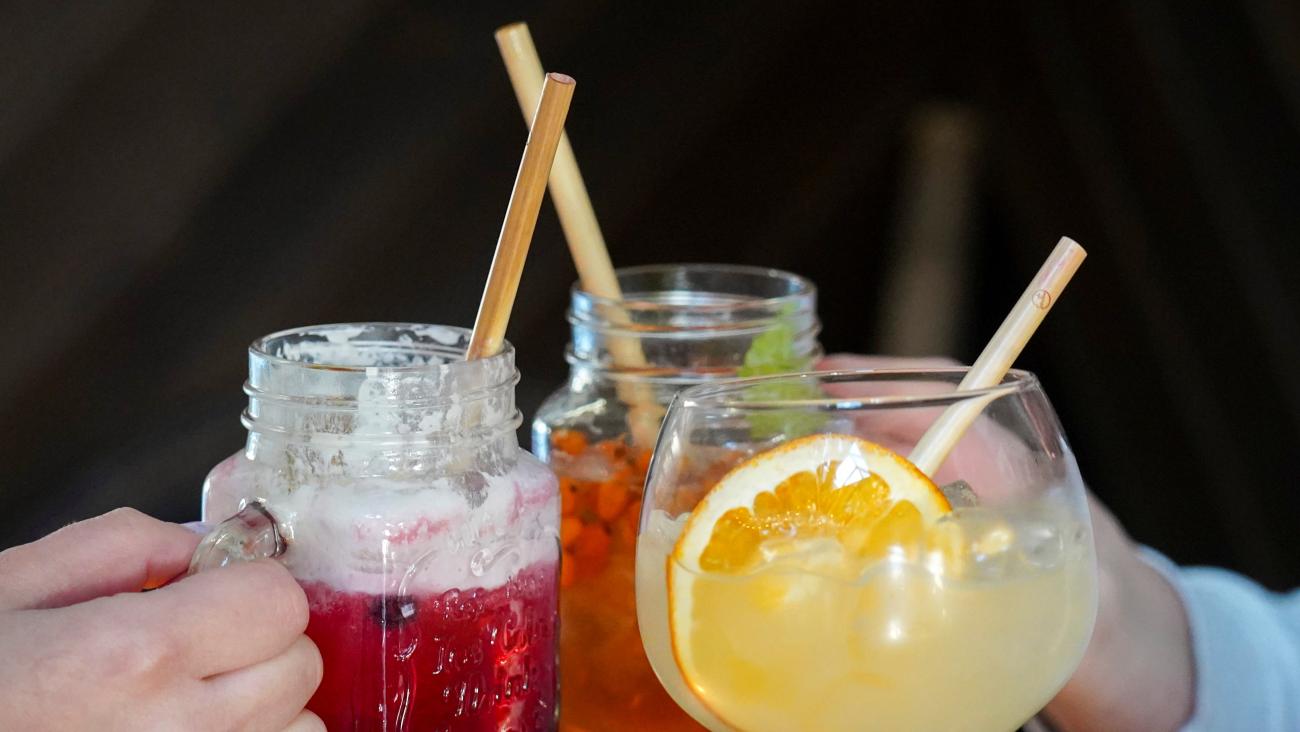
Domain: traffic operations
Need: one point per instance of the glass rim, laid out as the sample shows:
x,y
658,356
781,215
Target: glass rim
x,y
728,394
804,287
455,355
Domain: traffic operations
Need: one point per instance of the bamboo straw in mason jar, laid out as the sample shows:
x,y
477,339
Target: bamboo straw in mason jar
x,y
521,218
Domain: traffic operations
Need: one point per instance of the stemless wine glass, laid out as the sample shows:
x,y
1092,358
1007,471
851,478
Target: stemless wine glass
x,y
795,572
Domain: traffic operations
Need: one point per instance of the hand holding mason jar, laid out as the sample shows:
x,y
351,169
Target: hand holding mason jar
x,y
85,649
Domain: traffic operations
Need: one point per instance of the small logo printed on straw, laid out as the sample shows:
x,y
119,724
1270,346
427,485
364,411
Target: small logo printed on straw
x,y
1042,299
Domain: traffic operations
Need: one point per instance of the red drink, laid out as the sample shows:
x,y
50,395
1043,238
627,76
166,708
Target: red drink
x,y
477,659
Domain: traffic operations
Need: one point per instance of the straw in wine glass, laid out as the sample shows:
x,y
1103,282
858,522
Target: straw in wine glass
x,y
996,358
521,217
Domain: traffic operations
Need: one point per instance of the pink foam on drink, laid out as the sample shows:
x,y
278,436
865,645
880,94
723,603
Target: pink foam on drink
x,y
434,608
379,535
479,659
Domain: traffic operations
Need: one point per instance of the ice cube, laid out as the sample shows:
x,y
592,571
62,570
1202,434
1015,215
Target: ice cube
x,y
1041,545
989,541
960,494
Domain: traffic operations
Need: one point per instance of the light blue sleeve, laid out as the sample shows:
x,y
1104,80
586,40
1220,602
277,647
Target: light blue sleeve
x,y
1246,644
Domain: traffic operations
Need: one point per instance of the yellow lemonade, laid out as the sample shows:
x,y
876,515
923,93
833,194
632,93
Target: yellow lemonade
x,y
975,626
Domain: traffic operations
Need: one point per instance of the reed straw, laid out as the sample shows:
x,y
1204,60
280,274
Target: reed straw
x,y
582,232
568,191
996,358
521,217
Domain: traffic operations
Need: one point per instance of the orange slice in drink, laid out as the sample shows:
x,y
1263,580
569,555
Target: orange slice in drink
x,y
763,583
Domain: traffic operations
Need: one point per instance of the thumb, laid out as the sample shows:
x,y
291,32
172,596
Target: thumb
x,y
122,551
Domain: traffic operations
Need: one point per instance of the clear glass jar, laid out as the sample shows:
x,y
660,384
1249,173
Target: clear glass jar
x,y
677,325
385,472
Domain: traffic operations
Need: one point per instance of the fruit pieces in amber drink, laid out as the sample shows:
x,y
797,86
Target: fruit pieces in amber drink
x,y
600,498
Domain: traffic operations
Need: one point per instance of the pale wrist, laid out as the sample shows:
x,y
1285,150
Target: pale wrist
x,y
1138,674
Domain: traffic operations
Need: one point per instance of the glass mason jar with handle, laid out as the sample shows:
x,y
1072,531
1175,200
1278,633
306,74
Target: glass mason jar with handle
x,y
677,325
384,471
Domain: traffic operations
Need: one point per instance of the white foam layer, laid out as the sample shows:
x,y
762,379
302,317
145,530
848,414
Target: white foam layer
x,y
379,535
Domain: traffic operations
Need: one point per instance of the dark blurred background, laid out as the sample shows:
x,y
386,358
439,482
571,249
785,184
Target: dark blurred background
x,y
179,178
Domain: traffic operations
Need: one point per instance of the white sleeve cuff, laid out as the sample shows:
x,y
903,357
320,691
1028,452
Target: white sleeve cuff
x,y
1246,650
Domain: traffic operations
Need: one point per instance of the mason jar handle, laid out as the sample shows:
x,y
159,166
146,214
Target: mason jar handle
x,y
251,534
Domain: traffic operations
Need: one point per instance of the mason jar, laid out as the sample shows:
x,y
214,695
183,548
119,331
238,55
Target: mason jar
x,y
383,470
677,325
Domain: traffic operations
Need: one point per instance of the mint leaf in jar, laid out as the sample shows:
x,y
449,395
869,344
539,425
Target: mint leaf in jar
x,y
773,353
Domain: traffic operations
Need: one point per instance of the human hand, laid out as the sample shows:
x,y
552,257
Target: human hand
x,y
1137,673
82,648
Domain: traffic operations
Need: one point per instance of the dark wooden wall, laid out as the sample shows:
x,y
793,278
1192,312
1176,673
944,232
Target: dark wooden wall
x,y
177,178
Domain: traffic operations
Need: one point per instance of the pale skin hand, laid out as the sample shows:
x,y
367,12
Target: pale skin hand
x,y
82,648
1137,674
